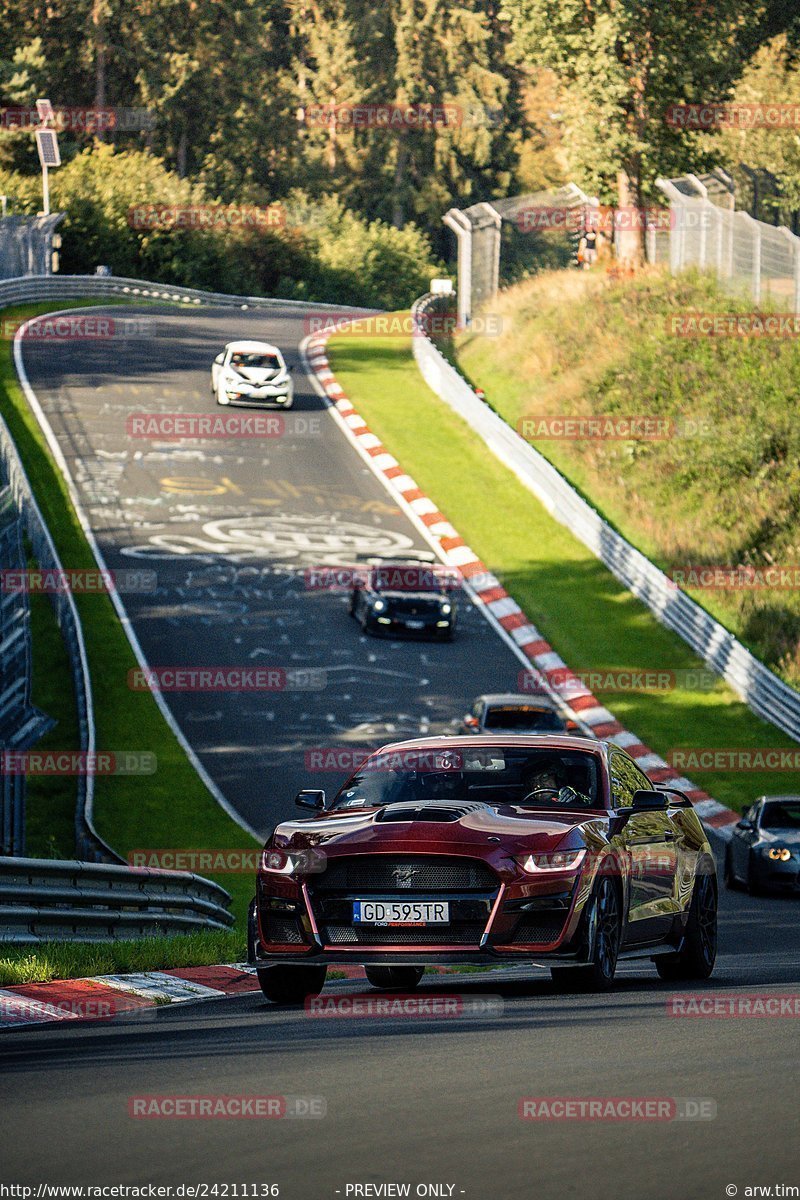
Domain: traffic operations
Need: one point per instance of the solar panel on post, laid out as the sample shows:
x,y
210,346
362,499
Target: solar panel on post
x,y
47,145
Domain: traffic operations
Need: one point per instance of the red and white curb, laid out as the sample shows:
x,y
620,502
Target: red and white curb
x,y
104,997
495,600
107,996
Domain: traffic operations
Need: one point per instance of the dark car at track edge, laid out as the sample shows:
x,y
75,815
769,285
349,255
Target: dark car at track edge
x,y
763,852
412,597
550,850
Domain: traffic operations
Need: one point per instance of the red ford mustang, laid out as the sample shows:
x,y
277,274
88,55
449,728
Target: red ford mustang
x,y
543,849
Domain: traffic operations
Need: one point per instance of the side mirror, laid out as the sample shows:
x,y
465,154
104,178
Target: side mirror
x,y
649,801
220,359
744,824
470,721
311,798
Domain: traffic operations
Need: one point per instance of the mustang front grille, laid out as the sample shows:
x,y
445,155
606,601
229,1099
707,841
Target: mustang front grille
x,y
403,875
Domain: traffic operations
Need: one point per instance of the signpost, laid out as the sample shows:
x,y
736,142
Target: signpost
x,y
47,145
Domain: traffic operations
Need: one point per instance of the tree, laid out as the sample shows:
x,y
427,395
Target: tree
x,y
624,63
450,55
772,77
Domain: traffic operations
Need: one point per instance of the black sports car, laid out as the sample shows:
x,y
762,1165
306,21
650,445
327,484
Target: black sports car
x,y
547,849
410,597
764,849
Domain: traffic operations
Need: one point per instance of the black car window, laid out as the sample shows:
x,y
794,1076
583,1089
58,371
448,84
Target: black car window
x,y
625,779
406,577
522,716
261,361
642,780
534,778
784,815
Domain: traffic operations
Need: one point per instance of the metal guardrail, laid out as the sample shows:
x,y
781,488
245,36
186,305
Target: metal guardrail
x,y
75,287
42,900
88,842
21,722
767,695
26,244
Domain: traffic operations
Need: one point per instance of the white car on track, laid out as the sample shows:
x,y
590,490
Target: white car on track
x,y
252,373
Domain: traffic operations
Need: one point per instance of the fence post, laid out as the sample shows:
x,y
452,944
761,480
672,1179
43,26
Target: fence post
x,y
680,241
461,227
755,282
720,227
704,213
794,250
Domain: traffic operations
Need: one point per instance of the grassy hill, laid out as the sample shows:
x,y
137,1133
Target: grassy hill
x,y
724,487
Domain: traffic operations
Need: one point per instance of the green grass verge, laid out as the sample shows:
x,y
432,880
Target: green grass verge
x,y
723,489
593,622
50,799
170,808
76,960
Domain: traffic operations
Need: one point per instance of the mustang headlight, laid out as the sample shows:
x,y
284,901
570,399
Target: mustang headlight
x,y
559,860
779,853
379,605
446,608
278,862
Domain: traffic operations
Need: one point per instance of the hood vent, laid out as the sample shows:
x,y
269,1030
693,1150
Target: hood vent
x,y
427,812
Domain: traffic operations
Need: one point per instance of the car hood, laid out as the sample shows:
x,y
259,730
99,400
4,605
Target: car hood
x,y
780,837
417,597
463,828
257,375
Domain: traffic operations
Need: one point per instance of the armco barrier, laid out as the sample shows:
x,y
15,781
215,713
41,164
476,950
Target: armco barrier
x,y
35,288
43,900
88,842
767,695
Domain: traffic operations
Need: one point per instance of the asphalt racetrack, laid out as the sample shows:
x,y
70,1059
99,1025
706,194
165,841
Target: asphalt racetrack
x,y
230,527
421,1101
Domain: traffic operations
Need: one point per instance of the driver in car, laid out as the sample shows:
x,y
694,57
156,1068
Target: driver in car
x,y
549,782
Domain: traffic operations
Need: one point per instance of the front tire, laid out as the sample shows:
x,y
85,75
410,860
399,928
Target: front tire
x,y
598,974
696,958
394,979
291,985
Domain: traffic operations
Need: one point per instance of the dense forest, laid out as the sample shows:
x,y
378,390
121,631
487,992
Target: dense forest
x,y
367,122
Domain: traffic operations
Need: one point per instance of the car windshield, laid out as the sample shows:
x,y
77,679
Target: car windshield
x,y
533,778
265,362
521,717
781,816
406,577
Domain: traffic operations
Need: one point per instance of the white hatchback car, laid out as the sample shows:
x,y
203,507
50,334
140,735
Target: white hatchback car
x,y
252,373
